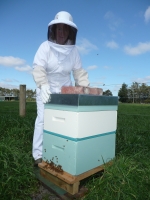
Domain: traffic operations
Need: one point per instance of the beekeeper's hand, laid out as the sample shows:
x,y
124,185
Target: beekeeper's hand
x,y
45,93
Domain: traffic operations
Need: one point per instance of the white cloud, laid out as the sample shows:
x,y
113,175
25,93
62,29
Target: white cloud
x,y
109,15
142,80
9,86
122,75
8,80
112,44
137,50
13,86
91,67
15,80
84,46
11,61
17,63
25,68
147,15
107,67
113,21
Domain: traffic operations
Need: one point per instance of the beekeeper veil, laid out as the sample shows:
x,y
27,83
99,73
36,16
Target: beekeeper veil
x,y
64,18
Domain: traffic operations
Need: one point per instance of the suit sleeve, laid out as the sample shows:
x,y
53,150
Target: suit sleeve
x,y
40,64
80,75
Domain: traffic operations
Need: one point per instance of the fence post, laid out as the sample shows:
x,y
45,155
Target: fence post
x,y
22,101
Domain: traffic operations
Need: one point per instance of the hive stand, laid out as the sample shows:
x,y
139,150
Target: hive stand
x,y
66,181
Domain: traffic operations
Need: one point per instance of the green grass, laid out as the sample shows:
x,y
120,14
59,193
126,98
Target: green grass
x,y
17,179
138,109
129,176
127,179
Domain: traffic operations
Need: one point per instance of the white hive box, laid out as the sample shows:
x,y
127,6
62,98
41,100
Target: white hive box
x,y
79,131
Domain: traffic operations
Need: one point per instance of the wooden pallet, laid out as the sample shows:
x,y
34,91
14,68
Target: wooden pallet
x,y
64,180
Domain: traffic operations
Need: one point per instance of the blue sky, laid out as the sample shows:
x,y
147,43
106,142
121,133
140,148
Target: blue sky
x,y
113,39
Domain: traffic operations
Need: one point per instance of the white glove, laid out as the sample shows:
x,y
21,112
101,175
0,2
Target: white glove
x,y
45,93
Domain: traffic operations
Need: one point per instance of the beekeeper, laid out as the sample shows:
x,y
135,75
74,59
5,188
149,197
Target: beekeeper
x,y
53,63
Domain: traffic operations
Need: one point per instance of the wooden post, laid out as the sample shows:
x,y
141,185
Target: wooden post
x,y
22,101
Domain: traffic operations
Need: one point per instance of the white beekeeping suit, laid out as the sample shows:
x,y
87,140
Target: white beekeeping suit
x,y
52,67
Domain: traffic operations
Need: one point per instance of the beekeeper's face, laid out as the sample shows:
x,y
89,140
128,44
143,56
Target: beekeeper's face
x,y
62,33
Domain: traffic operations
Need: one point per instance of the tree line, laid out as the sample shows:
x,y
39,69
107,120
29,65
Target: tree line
x,y
30,94
136,93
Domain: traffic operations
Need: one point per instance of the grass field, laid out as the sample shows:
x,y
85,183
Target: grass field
x,y
128,178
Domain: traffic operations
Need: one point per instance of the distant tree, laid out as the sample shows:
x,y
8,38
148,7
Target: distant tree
x,y
1,91
144,90
134,92
30,94
7,92
15,92
138,92
107,93
123,93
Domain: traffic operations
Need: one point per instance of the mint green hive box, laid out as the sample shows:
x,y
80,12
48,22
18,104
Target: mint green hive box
x,y
79,131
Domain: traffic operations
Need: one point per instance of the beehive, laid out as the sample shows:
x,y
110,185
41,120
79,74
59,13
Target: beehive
x,y
79,131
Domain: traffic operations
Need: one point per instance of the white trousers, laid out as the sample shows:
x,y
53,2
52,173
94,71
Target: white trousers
x,y
38,129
